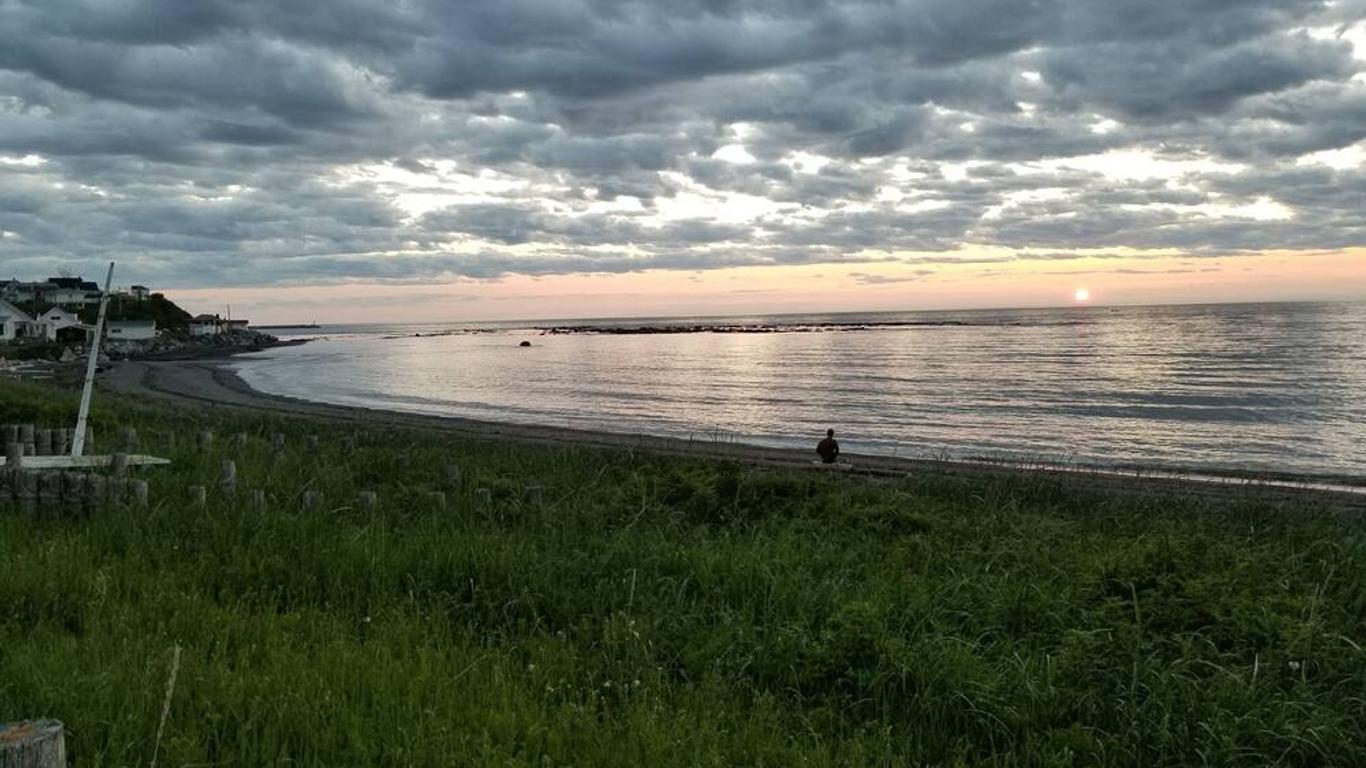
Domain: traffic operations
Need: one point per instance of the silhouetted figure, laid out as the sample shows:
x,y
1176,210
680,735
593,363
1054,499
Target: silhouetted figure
x,y
829,448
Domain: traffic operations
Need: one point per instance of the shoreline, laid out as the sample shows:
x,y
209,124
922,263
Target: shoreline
x,y
212,383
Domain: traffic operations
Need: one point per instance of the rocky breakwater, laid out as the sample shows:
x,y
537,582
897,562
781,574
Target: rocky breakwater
x,y
168,347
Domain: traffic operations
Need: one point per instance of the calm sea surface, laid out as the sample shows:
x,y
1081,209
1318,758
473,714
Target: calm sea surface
x,y
1251,386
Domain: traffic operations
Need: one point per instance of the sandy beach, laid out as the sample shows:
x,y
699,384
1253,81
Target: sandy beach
x,y
212,383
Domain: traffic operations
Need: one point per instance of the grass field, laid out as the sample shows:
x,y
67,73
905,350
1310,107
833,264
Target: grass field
x,y
658,611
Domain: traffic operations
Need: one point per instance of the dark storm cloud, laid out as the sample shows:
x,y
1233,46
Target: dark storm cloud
x,y
245,141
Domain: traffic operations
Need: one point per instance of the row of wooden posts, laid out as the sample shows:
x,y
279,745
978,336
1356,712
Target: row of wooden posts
x,y
41,442
31,490
365,500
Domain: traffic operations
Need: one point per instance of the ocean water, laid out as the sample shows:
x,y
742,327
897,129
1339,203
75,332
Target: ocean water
x,y
1263,387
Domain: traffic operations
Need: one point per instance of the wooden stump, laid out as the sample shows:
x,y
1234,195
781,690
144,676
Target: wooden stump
x,y
26,490
227,477
97,492
73,493
49,492
32,744
139,493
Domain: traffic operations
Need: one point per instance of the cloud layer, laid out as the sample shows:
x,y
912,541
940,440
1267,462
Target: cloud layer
x,y
250,142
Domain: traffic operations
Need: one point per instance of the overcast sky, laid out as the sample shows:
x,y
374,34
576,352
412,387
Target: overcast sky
x,y
418,158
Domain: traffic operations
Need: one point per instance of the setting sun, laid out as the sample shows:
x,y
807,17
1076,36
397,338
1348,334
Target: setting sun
x,y
1081,294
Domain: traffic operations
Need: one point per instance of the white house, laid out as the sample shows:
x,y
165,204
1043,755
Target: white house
x,y
14,323
55,319
206,325
130,330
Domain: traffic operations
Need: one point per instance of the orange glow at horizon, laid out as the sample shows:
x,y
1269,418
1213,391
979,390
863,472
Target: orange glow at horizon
x,y
978,280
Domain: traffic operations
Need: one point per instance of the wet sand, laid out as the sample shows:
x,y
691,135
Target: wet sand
x,y
212,384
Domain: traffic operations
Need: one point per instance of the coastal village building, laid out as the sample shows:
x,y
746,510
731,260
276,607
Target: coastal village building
x,y
206,325
131,330
57,319
139,292
69,292
15,323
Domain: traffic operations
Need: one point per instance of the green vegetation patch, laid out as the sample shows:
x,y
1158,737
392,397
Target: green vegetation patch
x,y
646,610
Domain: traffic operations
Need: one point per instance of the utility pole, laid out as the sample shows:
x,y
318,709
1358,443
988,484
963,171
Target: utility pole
x,y
78,439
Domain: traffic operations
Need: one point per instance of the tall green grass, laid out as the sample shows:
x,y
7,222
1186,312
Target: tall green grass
x,y
663,611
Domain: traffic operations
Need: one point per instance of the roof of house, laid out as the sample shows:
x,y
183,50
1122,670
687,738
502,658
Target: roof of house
x,y
132,322
9,310
74,283
206,319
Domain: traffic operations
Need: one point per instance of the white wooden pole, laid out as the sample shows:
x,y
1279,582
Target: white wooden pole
x,y
78,439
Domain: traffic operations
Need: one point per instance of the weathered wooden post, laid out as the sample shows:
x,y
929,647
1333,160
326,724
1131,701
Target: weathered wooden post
x,y
227,477
438,500
26,490
118,489
97,491
197,495
205,440
140,493
49,493
450,473
73,493
43,439
258,500
32,744
365,500
312,500
14,456
128,439
534,495
484,496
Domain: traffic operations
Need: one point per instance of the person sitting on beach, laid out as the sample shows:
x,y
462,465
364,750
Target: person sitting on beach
x,y
829,448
